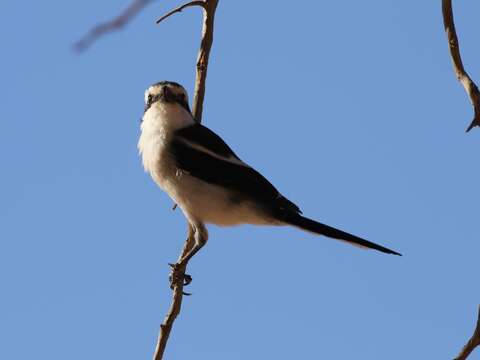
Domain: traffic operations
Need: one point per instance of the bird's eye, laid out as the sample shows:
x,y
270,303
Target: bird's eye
x,y
149,99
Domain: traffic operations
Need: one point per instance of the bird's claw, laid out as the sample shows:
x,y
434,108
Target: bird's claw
x,y
177,275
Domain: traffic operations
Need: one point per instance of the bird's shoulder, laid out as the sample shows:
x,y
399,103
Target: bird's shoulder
x,y
199,135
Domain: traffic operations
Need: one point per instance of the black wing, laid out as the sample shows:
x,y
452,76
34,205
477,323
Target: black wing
x,y
215,167
203,136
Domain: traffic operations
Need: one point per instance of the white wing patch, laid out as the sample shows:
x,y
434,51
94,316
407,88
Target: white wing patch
x,y
232,159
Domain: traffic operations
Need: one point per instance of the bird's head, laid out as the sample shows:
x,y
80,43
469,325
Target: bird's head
x,y
166,92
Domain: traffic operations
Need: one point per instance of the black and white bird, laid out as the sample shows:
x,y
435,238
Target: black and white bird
x,y
207,180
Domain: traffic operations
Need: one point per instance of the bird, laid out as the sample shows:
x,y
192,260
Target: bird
x,y
207,180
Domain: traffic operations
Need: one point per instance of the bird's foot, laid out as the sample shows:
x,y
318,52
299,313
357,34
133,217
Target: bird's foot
x,y
178,276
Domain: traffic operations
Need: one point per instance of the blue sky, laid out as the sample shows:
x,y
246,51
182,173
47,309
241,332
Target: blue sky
x,y
350,108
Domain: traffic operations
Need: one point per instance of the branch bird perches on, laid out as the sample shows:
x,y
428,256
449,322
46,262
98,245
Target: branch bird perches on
x,y
178,278
178,275
462,76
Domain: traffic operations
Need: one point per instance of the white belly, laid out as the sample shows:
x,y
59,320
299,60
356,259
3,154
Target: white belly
x,y
208,203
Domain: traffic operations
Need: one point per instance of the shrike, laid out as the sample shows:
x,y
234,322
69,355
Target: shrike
x,y
207,180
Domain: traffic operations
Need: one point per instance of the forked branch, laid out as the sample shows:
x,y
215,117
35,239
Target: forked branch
x,y
209,7
462,76
472,343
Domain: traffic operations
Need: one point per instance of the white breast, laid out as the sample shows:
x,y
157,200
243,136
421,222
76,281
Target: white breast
x,y
158,125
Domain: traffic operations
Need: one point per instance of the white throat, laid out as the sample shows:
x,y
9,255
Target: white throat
x,y
158,125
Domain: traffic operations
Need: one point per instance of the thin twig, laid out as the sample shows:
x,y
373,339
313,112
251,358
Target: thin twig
x,y
202,60
176,304
462,76
472,343
112,25
209,7
180,8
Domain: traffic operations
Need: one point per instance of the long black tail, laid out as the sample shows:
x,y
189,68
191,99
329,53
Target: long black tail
x,y
322,229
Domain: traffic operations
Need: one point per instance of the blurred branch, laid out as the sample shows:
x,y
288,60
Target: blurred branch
x,y
112,25
178,274
462,76
472,343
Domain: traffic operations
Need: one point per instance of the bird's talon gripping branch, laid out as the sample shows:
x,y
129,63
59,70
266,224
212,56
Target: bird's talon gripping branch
x,y
187,279
178,275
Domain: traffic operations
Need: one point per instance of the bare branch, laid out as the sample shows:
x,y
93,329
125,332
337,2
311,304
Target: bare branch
x,y
180,8
176,304
462,76
202,60
209,7
112,25
472,343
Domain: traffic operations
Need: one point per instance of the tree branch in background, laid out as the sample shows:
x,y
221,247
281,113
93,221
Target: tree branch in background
x,y
462,76
472,343
113,25
178,275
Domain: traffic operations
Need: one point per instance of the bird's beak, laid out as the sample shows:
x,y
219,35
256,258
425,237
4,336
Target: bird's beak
x,y
165,92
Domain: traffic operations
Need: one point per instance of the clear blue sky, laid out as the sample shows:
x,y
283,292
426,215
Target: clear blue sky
x,y
350,108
